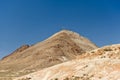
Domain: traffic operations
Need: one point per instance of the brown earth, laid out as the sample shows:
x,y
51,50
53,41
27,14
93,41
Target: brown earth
x,y
61,47
99,64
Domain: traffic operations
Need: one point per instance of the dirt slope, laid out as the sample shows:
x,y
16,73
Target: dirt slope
x,y
99,64
62,46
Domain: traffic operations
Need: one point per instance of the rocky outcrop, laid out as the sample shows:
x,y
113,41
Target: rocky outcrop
x,y
22,48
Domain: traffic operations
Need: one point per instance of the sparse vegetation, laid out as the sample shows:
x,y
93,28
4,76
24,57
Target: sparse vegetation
x,y
92,52
84,77
27,78
56,78
107,49
102,56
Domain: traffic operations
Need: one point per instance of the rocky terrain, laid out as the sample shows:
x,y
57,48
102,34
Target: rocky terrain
x,y
61,47
99,64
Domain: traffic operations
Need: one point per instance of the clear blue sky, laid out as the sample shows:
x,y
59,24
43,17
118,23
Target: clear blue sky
x,y
31,21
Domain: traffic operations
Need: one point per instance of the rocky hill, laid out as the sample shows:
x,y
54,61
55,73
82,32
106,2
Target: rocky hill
x,y
61,47
99,64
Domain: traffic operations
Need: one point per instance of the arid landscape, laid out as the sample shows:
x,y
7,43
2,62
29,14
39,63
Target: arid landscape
x,y
99,64
61,47
59,39
64,56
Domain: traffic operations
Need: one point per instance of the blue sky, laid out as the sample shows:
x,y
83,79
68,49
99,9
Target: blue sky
x,y
31,21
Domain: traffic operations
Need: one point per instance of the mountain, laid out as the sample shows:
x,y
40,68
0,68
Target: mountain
x,y
61,47
99,64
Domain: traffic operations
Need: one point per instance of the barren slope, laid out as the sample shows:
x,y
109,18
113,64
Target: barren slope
x,y
62,46
99,64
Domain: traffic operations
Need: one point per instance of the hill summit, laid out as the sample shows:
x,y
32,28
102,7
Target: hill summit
x,y
61,47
